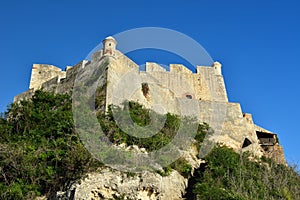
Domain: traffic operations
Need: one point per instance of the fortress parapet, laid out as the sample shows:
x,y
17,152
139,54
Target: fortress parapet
x,y
179,68
41,73
154,67
158,86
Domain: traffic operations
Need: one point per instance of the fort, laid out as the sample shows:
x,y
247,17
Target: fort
x,y
162,90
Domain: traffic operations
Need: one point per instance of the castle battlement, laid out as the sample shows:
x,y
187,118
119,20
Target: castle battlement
x,y
154,67
42,73
179,68
157,86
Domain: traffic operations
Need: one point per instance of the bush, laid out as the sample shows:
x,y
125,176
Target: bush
x,y
183,167
39,151
141,117
228,175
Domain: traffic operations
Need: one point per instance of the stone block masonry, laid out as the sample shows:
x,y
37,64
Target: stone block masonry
x,y
206,87
42,73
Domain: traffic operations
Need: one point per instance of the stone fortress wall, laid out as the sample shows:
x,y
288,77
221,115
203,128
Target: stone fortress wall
x,y
42,73
206,87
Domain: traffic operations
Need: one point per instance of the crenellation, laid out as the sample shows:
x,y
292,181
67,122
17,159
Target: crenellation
x,y
42,73
200,69
179,68
124,60
164,88
151,66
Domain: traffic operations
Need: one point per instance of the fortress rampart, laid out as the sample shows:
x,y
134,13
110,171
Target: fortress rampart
x,y
206,87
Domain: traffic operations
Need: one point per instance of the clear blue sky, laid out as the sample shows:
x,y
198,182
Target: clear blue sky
x,y
256,41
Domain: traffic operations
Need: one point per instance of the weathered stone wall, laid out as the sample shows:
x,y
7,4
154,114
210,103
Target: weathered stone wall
x,y
25,95
51,84
41,73
151,66
167,88
180,82
66,84
275,152
61,81
229,126
119,79
211,85
119,68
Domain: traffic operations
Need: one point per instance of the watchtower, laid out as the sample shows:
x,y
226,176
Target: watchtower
x,y
218,68
109,46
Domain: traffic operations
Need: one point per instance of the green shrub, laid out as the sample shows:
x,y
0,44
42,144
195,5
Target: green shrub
x,y
183,167
228,175
141,117
39,151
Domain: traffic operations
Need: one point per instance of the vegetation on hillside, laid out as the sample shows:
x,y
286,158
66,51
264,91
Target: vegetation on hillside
x,y
139,115
230,176
40,153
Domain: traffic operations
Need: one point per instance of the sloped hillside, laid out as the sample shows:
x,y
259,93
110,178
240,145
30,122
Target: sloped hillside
x,y
41,156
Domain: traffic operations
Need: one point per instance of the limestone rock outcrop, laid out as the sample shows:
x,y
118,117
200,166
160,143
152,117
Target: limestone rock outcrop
x,y
111,184
108,183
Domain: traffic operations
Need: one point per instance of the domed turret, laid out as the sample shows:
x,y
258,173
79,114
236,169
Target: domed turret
x,y
217,66
109,46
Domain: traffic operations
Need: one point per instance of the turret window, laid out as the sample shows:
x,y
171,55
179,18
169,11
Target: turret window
x,y
188,96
